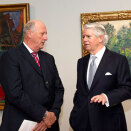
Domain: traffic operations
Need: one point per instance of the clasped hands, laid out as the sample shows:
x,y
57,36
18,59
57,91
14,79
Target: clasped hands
x,y
99,98
47,122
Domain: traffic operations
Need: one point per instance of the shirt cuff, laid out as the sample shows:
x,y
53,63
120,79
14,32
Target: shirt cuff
x,y
107,101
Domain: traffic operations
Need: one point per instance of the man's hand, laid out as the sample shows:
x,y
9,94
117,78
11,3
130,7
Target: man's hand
x,y
99,98
49,119
40,127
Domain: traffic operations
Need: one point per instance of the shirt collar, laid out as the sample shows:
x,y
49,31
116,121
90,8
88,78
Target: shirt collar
x,y
100,53
28,48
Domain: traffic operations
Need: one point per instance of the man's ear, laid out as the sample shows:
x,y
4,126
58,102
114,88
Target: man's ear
x,y
29,33
101,37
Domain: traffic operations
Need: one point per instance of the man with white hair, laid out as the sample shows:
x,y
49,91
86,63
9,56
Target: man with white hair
x,y
103,82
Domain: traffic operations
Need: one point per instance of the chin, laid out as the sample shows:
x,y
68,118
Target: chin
x,y
87,49
42,47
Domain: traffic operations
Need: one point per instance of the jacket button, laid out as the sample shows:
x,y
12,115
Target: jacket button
x,y
46,82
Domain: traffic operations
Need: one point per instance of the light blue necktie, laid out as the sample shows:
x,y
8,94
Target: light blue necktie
x,y
92,70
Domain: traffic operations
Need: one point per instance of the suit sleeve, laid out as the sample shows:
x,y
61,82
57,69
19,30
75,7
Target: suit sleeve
x,y
74,115
10,78
59,91
123,90
78,86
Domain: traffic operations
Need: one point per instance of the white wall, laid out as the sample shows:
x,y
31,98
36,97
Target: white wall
x,y
62,18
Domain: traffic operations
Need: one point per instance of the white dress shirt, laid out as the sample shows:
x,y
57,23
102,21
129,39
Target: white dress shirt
x,y
99,56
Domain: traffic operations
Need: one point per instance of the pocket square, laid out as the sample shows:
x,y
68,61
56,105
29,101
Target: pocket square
x,y
107,74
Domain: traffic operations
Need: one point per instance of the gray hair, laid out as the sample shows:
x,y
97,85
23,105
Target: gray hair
x,y
29,26
98,30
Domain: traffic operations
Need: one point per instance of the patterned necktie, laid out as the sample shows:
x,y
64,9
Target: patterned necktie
x,y
34,54
92,70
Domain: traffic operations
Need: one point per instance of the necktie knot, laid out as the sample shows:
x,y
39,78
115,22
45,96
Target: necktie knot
x,y
34,54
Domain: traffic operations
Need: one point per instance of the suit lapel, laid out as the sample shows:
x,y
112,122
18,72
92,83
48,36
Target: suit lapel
x,y
43,63
101,67
27,56
86,61
44,67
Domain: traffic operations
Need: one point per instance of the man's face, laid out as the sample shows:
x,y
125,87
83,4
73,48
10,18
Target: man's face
x,y
39,36
91,42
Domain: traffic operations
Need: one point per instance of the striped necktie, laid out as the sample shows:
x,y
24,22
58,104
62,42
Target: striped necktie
x,y
34,54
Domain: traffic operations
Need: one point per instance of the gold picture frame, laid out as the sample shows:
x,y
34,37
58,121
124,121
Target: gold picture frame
x,y
118,16
13,17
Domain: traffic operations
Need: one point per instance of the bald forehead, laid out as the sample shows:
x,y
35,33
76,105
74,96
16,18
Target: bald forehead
x,y
37,22
38,25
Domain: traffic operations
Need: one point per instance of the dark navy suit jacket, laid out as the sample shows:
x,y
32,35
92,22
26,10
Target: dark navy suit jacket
x,y
29,90
116,86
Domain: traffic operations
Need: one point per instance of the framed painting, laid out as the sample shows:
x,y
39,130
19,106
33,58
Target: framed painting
x,y
118,28
13,17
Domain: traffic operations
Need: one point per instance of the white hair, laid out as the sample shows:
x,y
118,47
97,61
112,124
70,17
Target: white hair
x,y
29,26
98,30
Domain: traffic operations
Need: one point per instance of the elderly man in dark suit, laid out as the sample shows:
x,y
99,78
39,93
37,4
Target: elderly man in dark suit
x,y
32,86
103,82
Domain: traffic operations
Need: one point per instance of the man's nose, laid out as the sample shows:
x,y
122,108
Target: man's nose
x,y
45,38
84,39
